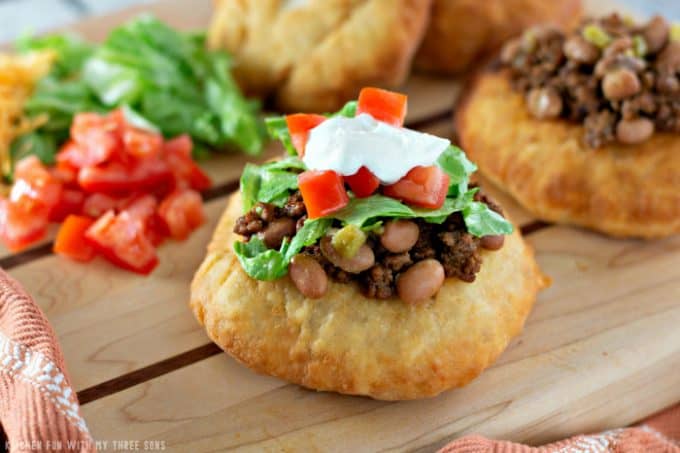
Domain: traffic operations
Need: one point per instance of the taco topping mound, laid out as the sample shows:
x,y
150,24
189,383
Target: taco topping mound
x,y
619,79
362,199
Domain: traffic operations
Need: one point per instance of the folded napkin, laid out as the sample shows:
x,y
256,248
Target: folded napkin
x,y
658,434
39,410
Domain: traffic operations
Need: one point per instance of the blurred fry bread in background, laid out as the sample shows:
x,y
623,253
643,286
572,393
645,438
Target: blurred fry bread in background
x,y
314,55
462,32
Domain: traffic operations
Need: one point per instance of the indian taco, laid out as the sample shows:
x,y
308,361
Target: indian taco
x,y
364,262
583,128
314,55
463,32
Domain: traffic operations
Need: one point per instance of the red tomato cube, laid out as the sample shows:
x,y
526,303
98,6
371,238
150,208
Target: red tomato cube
x,y
121,240
363,183
32,180
22,223
70,202
425,187
323,192
177,153
182,213
299,125
97,138
71,242
141,143
383,105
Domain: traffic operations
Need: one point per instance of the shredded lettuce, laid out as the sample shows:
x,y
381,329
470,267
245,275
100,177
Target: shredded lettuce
x,y
456,164
278,130
268,264
480,220
71,51
269,183
363,212
168,78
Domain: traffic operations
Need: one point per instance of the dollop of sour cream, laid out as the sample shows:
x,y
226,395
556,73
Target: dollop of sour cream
x,y
346,144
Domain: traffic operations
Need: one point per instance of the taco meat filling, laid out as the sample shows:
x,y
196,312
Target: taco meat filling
x,y
620,80
417,241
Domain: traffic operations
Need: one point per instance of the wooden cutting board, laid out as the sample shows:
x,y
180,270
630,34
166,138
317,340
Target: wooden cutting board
x,y
601,348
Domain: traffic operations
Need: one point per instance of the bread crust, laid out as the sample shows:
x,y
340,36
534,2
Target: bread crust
x,y
347,343
620,190
315,57
462,32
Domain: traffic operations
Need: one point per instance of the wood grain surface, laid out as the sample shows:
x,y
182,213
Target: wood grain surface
x,y
601,348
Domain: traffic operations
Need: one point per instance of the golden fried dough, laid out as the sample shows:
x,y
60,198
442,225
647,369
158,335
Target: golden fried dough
x,y
463,32
617,189
347,343
316,55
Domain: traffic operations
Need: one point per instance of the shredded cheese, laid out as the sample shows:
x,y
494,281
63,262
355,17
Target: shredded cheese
x,y
18,76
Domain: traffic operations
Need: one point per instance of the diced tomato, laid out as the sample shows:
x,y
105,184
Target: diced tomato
x,y
66,174
141,208
181,144
70,202
157,230
34,181
97,204
425,187
323,192
141,143
182,212
299,125
71,242
178,156
121,240
96,137
363,183
117,178
24,217
71,154
383,105
115,173
22,223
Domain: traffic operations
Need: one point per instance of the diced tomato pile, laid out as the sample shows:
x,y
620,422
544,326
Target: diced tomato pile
x,y
119,192
323,192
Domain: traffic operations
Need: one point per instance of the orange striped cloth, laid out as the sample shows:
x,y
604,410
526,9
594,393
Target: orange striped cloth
x,y
39,410
658,434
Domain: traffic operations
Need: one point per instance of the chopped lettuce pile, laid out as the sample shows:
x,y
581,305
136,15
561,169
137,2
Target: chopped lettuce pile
x,y
273,182
168,78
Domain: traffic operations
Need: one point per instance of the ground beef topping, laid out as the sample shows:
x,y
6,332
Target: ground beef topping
x,y
620,80
454,250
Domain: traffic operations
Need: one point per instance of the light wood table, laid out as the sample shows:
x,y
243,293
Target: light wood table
x,y
601,348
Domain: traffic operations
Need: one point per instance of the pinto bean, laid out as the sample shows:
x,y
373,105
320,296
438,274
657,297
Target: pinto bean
x,y
274,233
620,83
631,132
578,49
492,242
364,258
670,57
656,33
308,276
400,236
420,281
618,46
267,211
544,103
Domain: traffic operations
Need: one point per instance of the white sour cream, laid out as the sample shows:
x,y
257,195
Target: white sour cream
x,y
346,144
